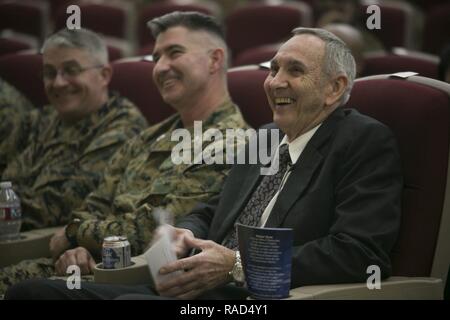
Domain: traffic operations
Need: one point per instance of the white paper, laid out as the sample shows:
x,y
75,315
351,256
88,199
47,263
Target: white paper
x,y
160,254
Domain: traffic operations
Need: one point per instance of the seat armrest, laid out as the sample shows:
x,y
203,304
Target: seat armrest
x,y
137,273
31,245
393,288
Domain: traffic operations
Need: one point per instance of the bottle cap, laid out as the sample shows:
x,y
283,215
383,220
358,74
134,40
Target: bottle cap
x,y
5,184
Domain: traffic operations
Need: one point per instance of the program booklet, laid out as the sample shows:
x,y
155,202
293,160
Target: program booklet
x,y
266,255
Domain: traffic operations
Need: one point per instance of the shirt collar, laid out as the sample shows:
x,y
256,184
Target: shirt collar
x,y
298,144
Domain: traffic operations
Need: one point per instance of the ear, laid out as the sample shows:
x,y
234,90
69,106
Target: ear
x,y
217,57
335,89
106,74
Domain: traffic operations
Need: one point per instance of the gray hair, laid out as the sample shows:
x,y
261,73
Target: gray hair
x,y
338,58
83,39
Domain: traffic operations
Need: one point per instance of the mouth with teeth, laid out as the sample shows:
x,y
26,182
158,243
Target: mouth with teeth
x,y
283,101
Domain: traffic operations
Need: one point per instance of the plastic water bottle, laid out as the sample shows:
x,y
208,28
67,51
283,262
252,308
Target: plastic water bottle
x,y
10,212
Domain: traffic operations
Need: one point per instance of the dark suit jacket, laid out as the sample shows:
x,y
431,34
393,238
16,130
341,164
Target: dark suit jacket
x,y
342,199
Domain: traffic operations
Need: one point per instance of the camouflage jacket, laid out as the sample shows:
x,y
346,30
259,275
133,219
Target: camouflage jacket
x,y
15,111
142,176
63,162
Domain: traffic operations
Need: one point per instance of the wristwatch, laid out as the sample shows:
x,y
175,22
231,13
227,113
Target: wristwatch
x,y
237,273
71,232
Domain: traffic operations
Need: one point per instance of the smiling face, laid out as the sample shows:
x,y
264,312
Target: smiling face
x,y
182,65
296,88
74,94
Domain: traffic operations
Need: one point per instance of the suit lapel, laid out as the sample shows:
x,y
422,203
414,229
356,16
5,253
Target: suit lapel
x,y
247,187
303,170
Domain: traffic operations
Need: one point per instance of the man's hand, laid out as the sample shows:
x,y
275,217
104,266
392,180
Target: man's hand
x,y
58,244
78,256
203,271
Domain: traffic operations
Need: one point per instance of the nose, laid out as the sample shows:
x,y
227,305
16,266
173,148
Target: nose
x,y
278,81
60,80
161,67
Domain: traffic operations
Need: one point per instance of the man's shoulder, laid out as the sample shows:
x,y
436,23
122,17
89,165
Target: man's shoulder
x,y
359,122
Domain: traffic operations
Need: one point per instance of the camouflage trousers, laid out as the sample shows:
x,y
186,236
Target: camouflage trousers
x,y
30,269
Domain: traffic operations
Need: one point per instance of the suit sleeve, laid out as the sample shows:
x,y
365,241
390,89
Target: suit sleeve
x,y
366,218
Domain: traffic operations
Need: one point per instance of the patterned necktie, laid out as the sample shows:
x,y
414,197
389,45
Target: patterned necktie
x,y
260,199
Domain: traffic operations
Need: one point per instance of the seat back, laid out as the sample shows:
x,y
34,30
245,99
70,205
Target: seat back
x,y
247,91
133,79
425,65
9,46
27,17
417,110
256,55
397,21
437,29
23,71
110,18
258,24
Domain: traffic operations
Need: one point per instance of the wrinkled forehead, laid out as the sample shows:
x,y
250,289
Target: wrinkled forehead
x,y
305,48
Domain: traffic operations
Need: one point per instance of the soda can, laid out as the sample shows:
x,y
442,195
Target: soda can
x,y
116,252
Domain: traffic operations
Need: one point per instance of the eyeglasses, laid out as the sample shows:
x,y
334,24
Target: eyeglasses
x,y
67,72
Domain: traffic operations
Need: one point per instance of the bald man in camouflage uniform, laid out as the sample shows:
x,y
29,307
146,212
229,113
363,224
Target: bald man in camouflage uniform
x,y
14,112
190,73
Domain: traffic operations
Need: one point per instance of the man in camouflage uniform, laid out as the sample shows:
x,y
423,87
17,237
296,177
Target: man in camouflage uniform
x,y
70,141
190,72
14,110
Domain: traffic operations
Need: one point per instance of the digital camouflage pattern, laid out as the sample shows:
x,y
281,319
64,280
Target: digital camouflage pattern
x,y
29,269
139,177
63,162
15,115
142,176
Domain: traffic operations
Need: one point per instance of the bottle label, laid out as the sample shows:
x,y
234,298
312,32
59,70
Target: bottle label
x,y
11,213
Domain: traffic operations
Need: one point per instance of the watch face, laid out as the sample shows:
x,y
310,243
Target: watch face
x,y
238,274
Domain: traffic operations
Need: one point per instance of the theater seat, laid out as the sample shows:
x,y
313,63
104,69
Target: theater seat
x,y
133,79
417,109
401,60
258,24
256,55
246,88
23,71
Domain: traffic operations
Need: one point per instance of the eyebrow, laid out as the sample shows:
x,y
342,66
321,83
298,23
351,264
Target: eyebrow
x,y
169,48
290,63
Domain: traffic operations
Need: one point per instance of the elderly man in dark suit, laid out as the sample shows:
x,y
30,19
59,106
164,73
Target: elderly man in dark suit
x,y
338,186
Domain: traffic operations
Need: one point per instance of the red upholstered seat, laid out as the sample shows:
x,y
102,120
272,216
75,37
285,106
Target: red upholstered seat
x,y
24,71
247,91
256,55
108,18
418,112
133,79
258,24
28,17
437,29
424,65
8,46
397,24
